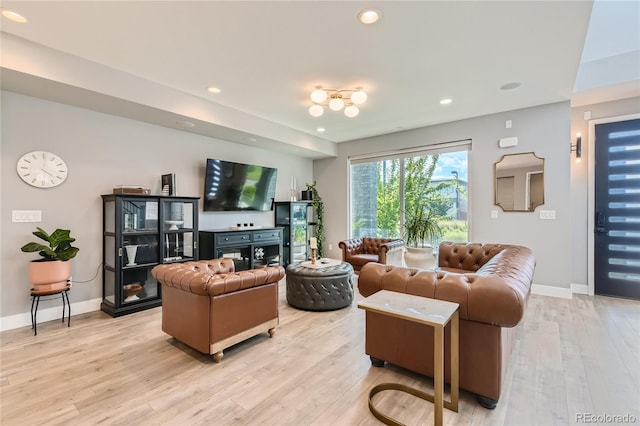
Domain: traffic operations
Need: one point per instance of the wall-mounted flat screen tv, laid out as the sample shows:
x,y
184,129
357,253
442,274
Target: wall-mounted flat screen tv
x,y
230,186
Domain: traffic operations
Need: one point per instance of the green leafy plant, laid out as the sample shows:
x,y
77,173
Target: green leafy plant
x,y
318,206
59,245
422,226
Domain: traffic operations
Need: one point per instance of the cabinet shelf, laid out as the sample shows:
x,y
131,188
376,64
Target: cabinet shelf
x,y
140,265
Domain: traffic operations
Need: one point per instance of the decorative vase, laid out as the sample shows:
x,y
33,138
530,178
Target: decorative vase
x,y
306,195
419,257
49,275
131,254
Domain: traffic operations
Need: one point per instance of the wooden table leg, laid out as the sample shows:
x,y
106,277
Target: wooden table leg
x,y
455,361
438,377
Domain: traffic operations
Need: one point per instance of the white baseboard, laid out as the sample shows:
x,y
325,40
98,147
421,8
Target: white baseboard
x,y
547,290
580,289
48,314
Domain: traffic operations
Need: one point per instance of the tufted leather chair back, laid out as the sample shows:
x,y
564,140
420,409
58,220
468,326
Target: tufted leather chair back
x,y
372,245
212,266
469,257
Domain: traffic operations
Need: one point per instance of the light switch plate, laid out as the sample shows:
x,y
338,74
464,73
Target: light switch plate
x,y
494,214
26,215
547,214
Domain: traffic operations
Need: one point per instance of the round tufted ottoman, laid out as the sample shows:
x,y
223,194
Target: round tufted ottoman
x,y
320,289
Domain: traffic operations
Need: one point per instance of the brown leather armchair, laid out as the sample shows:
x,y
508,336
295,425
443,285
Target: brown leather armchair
x,y
490,282
209,306
360,251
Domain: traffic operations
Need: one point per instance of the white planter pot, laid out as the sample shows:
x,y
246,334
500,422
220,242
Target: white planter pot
x,y
419,257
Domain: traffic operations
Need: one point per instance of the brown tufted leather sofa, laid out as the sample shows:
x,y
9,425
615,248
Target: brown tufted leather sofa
x,y
491,282
359,251
209,306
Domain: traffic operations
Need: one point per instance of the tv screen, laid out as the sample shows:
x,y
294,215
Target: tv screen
x,y
230,186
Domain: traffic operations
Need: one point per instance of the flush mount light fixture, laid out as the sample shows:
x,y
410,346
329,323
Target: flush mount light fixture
x,y
445,101
369,16
336,100
215,90
185,124
13,16
510,86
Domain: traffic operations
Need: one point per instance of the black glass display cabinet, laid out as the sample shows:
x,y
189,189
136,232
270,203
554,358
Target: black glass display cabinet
x,y
297,220
140,232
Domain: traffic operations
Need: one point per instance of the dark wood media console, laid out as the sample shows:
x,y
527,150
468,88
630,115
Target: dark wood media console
x,y
249,248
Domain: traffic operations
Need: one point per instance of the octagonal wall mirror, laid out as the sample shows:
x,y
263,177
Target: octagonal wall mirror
x,y
519,182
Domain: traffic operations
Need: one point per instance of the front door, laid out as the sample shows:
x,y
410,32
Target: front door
x,y
617,209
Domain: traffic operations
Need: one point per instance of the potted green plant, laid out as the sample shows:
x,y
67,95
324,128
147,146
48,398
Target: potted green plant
x,y
52,271
421,229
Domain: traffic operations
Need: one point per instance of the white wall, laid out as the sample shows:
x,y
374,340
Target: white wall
x,y
544,130
103,151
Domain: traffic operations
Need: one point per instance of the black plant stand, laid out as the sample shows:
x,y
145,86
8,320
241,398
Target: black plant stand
x,y
35,301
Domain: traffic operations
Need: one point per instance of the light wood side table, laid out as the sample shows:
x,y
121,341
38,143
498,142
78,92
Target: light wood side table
x,y
432,312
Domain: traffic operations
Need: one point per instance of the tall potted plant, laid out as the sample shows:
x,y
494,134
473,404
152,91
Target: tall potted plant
x,y
421,229
52,271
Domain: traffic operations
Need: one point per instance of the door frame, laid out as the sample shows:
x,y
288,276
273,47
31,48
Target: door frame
x,y
591,195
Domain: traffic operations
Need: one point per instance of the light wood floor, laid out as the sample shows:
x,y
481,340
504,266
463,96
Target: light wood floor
x,y
572,356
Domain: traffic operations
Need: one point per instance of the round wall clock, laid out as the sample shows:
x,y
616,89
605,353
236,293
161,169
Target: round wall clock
x,y
42,169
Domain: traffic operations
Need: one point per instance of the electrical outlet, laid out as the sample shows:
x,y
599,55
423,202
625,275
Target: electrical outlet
x,y
330,246
70,281
26,215
547,214
494,214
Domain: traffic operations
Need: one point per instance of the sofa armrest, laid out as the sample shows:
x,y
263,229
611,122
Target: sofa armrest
x,y
202,278
391,250
487,299
350,247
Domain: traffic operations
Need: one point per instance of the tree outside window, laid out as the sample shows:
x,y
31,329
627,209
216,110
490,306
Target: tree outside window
x,y
382,190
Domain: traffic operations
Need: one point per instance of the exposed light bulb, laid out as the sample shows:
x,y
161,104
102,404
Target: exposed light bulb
x,y
318,96
13,16
316,110
351,111
369,16
359,97
336,104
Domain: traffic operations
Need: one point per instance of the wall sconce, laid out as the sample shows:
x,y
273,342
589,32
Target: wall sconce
x,y
577,147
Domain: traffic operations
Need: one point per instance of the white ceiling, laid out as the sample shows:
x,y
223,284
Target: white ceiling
x,y
267,56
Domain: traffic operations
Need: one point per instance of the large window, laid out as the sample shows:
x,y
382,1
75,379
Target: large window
x,y
384,187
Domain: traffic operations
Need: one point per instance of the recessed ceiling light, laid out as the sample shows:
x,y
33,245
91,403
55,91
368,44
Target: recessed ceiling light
x,y
369,16
214,89
250,139
320,129
510,86
13,16
185,124
445,101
